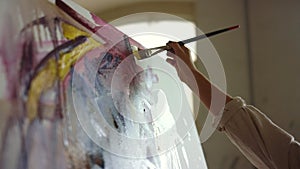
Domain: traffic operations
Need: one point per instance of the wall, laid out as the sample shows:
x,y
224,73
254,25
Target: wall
x,y
261,62
232,48
275,49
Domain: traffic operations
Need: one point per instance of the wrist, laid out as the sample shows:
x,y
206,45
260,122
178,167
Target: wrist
x,y
190,78
194,70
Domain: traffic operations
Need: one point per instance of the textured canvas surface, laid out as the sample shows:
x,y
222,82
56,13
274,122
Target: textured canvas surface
x,y
76,97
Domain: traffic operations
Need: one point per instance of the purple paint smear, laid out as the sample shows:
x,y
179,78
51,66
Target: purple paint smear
x,y
48,140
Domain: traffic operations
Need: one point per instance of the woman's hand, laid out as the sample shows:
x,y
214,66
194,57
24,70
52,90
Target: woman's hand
x,y
179,57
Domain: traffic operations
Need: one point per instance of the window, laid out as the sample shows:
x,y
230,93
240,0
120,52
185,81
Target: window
x,y
156,29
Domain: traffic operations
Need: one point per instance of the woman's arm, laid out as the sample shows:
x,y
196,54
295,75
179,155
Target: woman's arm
x,y
264,144
188,73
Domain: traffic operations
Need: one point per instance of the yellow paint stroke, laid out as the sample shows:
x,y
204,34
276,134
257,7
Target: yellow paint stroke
x,y
46,77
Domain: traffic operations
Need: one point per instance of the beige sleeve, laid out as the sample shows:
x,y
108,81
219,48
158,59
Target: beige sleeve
x,y
258,138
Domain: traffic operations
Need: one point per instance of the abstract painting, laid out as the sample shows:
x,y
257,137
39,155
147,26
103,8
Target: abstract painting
x,y
78,99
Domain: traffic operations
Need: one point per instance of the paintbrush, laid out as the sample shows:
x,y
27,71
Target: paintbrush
x,y
146,53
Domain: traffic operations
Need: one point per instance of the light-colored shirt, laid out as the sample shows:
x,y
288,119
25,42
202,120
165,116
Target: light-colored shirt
x,y
264,144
